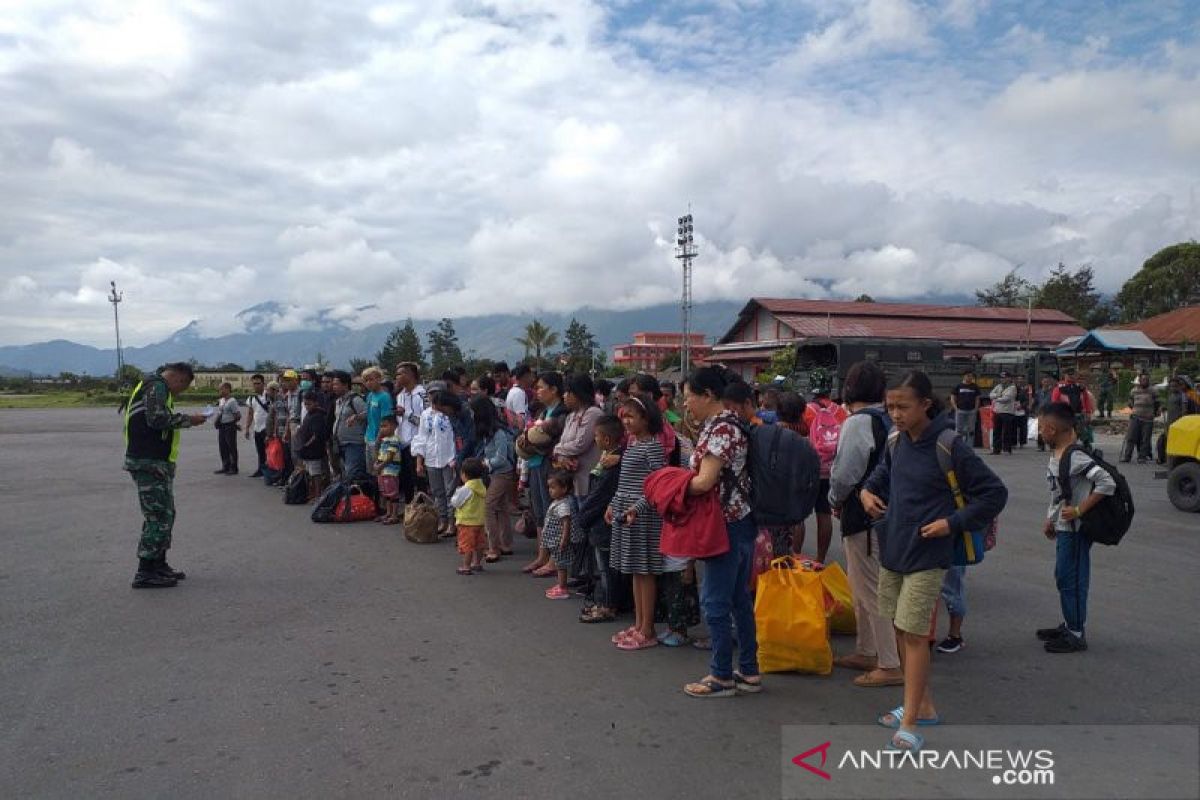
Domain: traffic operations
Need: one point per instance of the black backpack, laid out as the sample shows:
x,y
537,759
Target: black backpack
x,y
328,502
785,475
854,517
295,493
1109,520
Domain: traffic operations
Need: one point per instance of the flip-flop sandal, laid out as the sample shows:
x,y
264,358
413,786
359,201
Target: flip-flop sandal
x,y
464,571
855,662
897,715
866,681
709,688
702,644
491,559
636,641
673,639
544,572
477,568
906,742
529,568
742,685
619,635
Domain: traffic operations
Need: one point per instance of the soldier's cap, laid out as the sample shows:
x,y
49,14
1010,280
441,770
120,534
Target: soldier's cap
x,y
290,373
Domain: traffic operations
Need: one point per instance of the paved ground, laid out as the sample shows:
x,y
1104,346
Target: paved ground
x,y
304,660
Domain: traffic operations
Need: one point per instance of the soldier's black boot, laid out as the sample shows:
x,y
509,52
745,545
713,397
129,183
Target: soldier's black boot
x,y
148,576
165,569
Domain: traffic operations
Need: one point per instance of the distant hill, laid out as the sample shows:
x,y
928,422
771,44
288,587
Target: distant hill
x,y
490,336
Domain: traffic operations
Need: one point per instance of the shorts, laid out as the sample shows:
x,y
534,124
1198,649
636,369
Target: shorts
x,y
389,487
471,539
315,467
910,600
822,506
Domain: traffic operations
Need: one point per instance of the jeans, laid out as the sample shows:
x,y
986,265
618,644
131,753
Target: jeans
x,y
539,492
442,482
1072,572
964,424
1021,428
1139,435
725,601
354,461
954,594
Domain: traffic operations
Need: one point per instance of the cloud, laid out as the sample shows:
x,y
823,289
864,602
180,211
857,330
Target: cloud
x,y
468,157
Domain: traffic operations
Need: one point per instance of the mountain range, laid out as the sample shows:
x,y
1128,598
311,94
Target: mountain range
x,y
491,336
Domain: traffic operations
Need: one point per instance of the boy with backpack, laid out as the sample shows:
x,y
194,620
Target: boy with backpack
x,y
1077,485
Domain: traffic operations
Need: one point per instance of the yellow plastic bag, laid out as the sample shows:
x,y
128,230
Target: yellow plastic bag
x,y
839,598
789,613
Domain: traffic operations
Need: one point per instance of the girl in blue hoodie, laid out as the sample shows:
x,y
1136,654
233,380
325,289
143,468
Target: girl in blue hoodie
x,y
910,496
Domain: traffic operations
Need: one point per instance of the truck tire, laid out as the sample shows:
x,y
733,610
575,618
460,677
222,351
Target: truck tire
x,y
1183,486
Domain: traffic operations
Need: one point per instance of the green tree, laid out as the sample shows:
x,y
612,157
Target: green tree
x,y
68,378
266,366
865,298
1167,280
229,366
537,339
783,362
1073,294
444,351
358,364
476,366
1012,291
578,345
402,344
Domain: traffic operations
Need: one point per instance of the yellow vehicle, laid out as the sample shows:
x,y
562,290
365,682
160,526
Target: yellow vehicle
x,y
1183,463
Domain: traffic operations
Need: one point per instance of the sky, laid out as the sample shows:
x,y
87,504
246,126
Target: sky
x,y
461,157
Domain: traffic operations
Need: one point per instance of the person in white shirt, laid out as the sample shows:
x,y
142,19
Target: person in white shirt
x,y
256,420
411,402
516,403
434,449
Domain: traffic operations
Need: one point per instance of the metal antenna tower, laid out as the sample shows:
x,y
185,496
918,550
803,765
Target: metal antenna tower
x,y
115,298
686,251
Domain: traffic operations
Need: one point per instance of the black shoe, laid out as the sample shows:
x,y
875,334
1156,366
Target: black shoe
x,y
1050,634
220,471
256,474
951,644
168,571
231,472
152,580
1067,643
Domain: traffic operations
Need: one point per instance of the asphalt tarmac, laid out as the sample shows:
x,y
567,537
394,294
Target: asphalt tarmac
x,y
302,660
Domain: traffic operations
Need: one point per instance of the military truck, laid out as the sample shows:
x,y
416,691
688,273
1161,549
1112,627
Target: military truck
x,y
1033,364
828,360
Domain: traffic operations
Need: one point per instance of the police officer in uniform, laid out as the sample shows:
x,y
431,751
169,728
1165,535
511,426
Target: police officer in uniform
x,y
151,448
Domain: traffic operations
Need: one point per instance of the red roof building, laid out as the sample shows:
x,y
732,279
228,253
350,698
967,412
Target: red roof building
x,y
767,324
648,349
1178,329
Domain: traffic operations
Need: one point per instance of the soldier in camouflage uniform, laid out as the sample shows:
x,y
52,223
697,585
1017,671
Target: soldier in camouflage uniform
x,y
151,448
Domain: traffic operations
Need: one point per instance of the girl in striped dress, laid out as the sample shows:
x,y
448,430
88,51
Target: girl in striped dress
x,y
636,527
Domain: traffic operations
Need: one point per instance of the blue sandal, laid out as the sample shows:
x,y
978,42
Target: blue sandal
x,y
897,715
708,687
906,742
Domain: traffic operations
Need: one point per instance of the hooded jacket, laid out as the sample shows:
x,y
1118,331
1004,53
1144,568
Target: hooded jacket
x,y
693,525
911,482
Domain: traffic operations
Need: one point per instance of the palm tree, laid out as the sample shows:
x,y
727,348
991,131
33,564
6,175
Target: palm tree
x,y
537,338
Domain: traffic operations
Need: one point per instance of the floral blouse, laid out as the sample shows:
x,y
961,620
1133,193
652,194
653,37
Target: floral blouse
x,y
722,437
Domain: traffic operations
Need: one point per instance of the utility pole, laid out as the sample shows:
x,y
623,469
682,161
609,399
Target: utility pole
x,y
686,251
115,298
